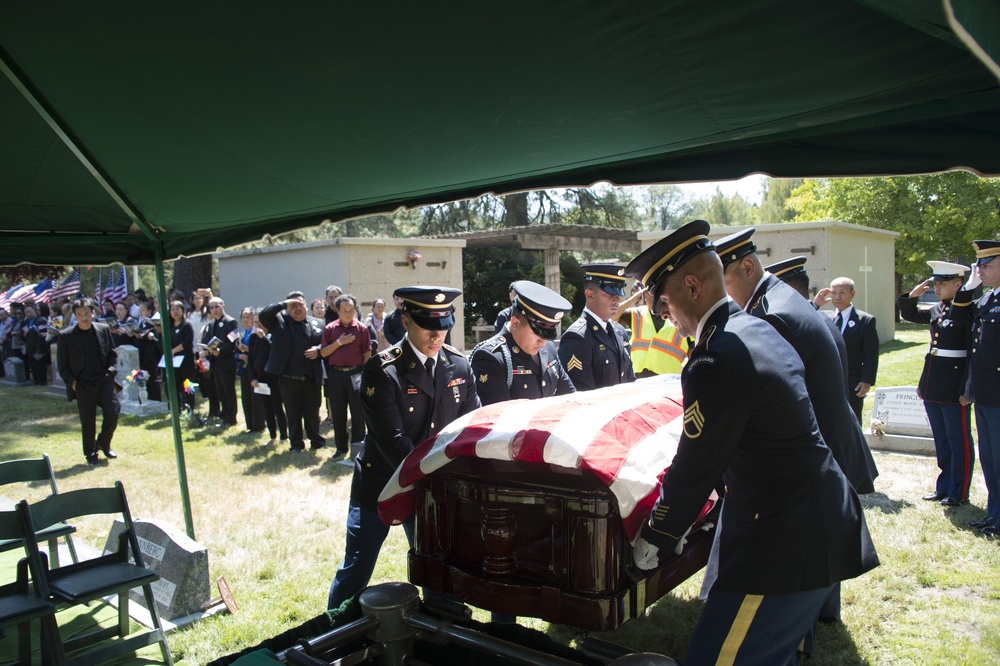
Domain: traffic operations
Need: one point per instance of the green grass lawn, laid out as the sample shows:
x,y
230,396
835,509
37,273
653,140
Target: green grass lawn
x,y
273,524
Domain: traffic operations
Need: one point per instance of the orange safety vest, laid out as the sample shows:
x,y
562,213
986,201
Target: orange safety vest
x,y
662,352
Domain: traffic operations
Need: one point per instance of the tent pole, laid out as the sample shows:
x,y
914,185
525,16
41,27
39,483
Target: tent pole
x,y
166,326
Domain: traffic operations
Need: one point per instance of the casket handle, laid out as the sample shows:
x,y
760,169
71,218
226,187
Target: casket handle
x,y
555,510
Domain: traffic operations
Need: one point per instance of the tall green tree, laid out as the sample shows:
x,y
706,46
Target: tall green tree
x,y
937,216
774,208
725,211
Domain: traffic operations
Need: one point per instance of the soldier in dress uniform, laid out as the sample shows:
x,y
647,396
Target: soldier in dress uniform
x,y
409,392
941,383
765,296
983,384
793,273
594,349
791,525
521,361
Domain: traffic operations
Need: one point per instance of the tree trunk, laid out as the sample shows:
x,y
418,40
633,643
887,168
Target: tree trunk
x,y
191,273
516,210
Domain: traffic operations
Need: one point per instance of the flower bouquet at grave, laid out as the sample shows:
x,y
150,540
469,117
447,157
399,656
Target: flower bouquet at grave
x,y
413,256
139,377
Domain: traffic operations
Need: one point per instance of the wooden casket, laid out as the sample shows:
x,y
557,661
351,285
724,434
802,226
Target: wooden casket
x,y
530,508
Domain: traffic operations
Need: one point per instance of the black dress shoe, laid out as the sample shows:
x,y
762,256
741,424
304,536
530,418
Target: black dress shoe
x,y
951,501
992,528
92,459
935,497
109,453
981,523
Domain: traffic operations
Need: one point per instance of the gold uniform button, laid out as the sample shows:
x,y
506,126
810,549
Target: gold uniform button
x,y
368,465
411,409
432,425
606,361
756,516
543,383
525,386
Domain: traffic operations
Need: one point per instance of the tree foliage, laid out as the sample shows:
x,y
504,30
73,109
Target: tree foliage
x,y
937,216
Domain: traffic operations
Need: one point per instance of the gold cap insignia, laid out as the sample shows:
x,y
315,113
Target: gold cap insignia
x,y
439,298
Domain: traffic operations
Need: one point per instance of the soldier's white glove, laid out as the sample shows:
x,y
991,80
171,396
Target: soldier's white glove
x,y
974,279
645,554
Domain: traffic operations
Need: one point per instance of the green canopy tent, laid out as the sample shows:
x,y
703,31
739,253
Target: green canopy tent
x,y
138,132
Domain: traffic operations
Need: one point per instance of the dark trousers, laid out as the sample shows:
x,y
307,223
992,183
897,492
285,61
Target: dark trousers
x,y
365,535
88,398
225,390
754,629
344,391
206,382
39,370
953,445
253,418
988,426
857,404
302,399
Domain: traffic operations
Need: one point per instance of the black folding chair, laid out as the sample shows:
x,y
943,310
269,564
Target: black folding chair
x,y
88,580
33,470
22,602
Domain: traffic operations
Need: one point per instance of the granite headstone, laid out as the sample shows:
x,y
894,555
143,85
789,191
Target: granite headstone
x,y
128,360
15,372
182,563
900,412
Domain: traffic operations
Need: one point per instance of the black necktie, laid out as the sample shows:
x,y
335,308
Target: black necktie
x,y
429,367
839,321
614,336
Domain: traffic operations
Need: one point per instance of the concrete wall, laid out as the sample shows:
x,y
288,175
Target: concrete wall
x,y
369,268
834,249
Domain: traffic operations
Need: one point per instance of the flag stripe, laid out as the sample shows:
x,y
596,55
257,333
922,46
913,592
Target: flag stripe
x,y
626,435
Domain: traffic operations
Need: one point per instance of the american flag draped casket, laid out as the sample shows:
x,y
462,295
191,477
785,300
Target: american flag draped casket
x,y
529,507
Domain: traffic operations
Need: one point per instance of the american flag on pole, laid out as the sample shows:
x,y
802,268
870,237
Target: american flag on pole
x,y
69,287
43,291
626,435
23,294
120,289
6,296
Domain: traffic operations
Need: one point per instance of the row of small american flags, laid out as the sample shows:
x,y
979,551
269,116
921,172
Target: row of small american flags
x,y
115,289
626,435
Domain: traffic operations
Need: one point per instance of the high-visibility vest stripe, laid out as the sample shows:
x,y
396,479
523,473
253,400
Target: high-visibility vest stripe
x,y
662,352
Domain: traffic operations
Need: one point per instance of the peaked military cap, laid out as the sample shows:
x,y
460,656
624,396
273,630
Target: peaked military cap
x,y
986,251
429,307
945,270
658,261
609,277
735,246
787,268
542,307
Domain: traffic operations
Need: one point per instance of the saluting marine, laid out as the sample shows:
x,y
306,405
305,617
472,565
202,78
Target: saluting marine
x,y
594,349
941,381
983,384
521,361
408,392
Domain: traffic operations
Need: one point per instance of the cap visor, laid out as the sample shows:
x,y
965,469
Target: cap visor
x,y
433,323
546,333
614,291
982,261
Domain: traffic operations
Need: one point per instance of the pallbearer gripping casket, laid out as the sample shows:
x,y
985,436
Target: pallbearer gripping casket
x,y
791,525
408,392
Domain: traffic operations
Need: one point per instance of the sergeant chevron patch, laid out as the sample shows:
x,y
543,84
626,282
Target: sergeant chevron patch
x,y
694,421
574,364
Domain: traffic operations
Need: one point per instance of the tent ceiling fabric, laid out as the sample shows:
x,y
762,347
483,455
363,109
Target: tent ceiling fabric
x,y
224,121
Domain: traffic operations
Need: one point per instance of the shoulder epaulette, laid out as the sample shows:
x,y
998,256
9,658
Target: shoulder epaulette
x,y
390,355
453,350
578,326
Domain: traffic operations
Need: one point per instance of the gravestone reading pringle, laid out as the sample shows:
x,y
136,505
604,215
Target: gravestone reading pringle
x,y
184,586
899,422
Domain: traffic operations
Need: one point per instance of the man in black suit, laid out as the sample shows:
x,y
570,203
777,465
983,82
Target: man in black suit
x,y
860,337
409,392
791,525
595,349
220,335
87,363
393,326
294,359
766,297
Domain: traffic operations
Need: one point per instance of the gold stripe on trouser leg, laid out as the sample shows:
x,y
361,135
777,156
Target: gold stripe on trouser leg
x,y
738,630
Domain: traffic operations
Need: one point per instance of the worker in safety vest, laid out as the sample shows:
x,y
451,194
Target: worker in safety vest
x,y
657,347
